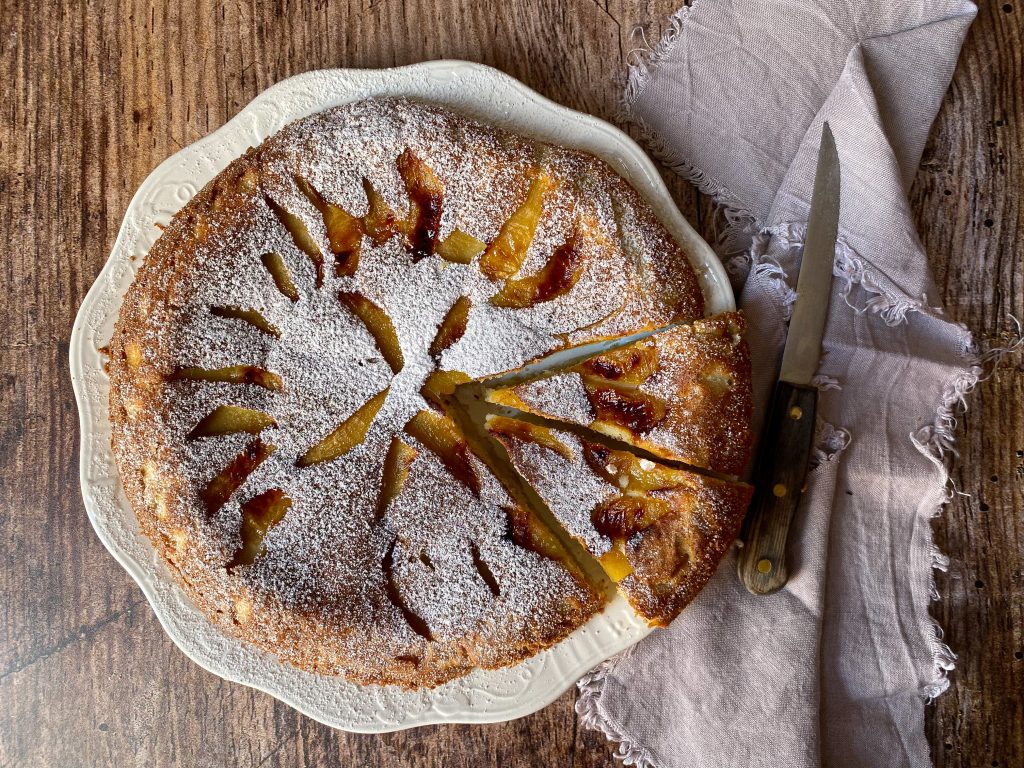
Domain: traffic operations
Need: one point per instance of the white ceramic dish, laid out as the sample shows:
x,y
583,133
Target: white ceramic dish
x,y
484,93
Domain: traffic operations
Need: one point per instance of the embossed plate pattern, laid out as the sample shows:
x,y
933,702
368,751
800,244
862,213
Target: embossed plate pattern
x,y
482,696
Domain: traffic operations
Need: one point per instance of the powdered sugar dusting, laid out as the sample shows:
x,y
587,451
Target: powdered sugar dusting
x,y
568,486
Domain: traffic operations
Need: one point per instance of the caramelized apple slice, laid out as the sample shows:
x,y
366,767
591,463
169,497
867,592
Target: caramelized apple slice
x,y
425,201
439,435
233,374
439,384
279,272
301,237
615,563
452,327
625,516
133,354
378,324
259,515
507,252
460,247
216,494
229,419
248,181
522,430
347,435
528,532
630,473
250,316
344,231
415,622
380,222
397,463
633,410
201,227
556,278
626,366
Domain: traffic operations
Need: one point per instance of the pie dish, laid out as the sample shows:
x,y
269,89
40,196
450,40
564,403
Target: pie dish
x,y
198,330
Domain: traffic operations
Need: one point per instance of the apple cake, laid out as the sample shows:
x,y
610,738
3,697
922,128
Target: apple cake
x,y
398,395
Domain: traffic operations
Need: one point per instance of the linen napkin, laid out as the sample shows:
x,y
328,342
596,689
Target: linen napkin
x,y
836,668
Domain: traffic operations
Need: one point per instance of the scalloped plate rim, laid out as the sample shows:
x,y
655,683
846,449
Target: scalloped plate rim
x,y
718,295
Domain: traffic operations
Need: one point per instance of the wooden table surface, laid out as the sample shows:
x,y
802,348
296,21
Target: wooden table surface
x,y
96,94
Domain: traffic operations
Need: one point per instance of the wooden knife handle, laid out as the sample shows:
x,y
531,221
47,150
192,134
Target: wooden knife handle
x,y
783,457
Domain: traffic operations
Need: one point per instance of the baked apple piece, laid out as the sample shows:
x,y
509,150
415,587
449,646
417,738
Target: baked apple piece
x,y
230,419
280,275
524,430
453,327
301,237
439,435
425,203
528,532
441,384
397,462
629,472
250,316
557,277
380,222
625,366
634,411
460,247
344,231
217,492
506,253
232,374
379,325
347,435
259,515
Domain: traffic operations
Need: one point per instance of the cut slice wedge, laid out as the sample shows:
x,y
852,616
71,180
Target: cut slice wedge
x,y
658,532
682,394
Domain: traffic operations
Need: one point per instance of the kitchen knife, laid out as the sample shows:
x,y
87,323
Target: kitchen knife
x,y
787,439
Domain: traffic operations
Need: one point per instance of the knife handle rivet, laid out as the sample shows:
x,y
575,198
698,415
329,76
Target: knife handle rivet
x,y
779,490
796,413
764,565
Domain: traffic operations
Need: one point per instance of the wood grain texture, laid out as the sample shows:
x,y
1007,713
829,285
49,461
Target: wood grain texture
x,y
98,93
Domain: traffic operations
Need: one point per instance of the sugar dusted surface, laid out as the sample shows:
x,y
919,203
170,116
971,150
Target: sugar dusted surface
x,y
568,486
318,595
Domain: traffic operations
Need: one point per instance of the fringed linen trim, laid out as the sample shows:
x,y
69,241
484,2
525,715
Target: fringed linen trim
x,y
937,443
589,710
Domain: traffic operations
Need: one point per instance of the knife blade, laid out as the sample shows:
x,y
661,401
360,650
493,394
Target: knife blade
x,y
786,442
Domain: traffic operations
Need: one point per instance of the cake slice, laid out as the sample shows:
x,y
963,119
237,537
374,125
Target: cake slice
x,y
658,531
682,394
